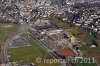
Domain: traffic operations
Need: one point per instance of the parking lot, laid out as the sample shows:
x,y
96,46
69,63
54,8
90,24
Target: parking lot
x,y
19,42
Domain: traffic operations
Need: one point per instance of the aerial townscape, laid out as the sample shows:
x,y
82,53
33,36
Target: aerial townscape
x,y
49,32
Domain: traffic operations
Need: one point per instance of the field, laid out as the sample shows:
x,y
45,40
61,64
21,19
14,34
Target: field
x,y
60,24
85,48
89,37
29,54
6,30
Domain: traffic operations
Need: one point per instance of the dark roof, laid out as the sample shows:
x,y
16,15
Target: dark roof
x,y
44,27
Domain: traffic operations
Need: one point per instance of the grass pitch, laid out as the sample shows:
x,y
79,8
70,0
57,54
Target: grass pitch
x,y
26,55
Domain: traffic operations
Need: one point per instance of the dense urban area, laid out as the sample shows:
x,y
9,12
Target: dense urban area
x,y
49,29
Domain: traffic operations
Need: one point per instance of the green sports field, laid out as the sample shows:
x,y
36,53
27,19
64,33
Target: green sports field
x,y
29,54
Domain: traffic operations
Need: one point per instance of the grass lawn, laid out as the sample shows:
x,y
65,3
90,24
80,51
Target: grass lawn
x,y
89,37
85,48
60,24
87,64
6,30
29,54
